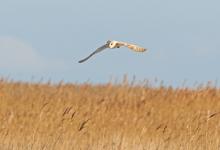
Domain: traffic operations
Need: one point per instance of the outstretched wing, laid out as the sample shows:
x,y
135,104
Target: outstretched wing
x,y
133,47
96,51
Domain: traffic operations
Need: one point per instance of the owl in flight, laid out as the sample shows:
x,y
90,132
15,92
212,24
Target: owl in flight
x,y
115,44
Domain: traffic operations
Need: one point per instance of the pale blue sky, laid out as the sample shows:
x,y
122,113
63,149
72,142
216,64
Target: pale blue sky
x,y
46,38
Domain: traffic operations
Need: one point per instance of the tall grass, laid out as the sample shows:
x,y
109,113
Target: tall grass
x,y
109,116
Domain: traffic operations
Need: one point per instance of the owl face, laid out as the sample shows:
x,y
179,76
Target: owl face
x,y
112,44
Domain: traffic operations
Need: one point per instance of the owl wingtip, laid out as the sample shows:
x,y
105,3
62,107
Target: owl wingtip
x,y
80,61
145,49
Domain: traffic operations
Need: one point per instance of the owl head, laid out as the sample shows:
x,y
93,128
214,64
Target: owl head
x,y
112,44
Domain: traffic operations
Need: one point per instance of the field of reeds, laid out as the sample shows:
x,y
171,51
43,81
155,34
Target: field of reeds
x,y
124,116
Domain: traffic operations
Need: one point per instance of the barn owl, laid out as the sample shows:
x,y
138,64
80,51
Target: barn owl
x,y
115,44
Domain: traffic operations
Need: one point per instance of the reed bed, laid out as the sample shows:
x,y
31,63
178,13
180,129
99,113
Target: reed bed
x,y
124,116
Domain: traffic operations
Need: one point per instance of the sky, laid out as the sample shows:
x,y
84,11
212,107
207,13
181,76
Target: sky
x,y
43,40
